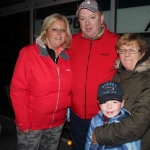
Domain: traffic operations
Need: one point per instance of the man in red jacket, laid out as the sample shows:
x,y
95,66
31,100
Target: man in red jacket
x,y
92,58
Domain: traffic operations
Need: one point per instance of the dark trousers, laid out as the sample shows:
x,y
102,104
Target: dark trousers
x,y
78,129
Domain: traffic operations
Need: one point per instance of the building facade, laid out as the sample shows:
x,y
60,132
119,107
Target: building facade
x,y
21,20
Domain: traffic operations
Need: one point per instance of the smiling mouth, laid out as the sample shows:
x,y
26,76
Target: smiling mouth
x,y
88,29
109,112
57,38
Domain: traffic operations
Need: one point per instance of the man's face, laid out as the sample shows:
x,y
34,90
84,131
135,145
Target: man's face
x,y
90,23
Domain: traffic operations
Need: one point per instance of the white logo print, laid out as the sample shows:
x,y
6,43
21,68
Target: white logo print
x,y
68,70
86,3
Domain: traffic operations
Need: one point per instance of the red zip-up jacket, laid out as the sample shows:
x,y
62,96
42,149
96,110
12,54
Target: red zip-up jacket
x,y
40,88
92,63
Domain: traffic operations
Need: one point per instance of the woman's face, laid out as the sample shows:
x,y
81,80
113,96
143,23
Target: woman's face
x,y
130,56
56,34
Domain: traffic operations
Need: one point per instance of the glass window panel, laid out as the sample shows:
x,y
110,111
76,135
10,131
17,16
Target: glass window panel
x,y
69,10
6,3
133,16
105,4
132,3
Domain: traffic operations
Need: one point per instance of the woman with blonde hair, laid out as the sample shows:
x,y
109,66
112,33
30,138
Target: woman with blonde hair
x,y
40,86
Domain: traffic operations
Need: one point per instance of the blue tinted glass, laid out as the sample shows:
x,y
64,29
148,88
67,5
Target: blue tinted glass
x,y
132,3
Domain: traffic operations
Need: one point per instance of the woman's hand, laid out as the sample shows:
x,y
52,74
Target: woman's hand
x,y
25,131
94,138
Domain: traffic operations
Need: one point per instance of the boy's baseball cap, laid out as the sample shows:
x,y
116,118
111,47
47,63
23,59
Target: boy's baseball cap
x,y
91,5
109,91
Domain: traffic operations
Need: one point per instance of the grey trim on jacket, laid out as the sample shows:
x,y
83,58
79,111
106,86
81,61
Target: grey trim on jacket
x,y
43,52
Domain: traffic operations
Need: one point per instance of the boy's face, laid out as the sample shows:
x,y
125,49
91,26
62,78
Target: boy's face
x,y
111,108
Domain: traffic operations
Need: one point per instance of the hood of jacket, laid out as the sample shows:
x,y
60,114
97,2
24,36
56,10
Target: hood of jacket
x,y
142,65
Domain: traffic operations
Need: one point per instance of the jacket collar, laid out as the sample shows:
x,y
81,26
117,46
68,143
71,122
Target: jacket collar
x,y
141,66
43,52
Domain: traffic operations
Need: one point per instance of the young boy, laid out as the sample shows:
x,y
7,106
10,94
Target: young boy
x,y
110,100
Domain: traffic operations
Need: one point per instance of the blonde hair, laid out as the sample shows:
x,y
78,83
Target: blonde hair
x,y
129,39
48,21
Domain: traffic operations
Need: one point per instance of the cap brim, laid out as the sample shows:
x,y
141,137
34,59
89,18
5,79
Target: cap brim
x,y
105,98
89,8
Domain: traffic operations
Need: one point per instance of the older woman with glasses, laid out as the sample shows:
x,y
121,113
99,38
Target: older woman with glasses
x,y
133,72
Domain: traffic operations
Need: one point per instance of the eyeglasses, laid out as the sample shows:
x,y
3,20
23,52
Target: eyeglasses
x,y
130,51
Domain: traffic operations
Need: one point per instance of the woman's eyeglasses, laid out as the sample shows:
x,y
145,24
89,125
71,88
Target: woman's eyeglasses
x,y
130,51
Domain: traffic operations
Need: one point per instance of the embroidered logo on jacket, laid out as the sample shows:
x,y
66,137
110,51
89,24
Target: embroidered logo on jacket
x,y
103,54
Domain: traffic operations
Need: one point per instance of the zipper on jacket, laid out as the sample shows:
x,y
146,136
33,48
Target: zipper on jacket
x,y
86,78
58,94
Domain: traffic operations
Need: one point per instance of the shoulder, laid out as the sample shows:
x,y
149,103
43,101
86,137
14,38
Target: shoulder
x,y
25,54
76,35
29,50
143,64
143,77
144,80
125,112
109,34
97,120
29,47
